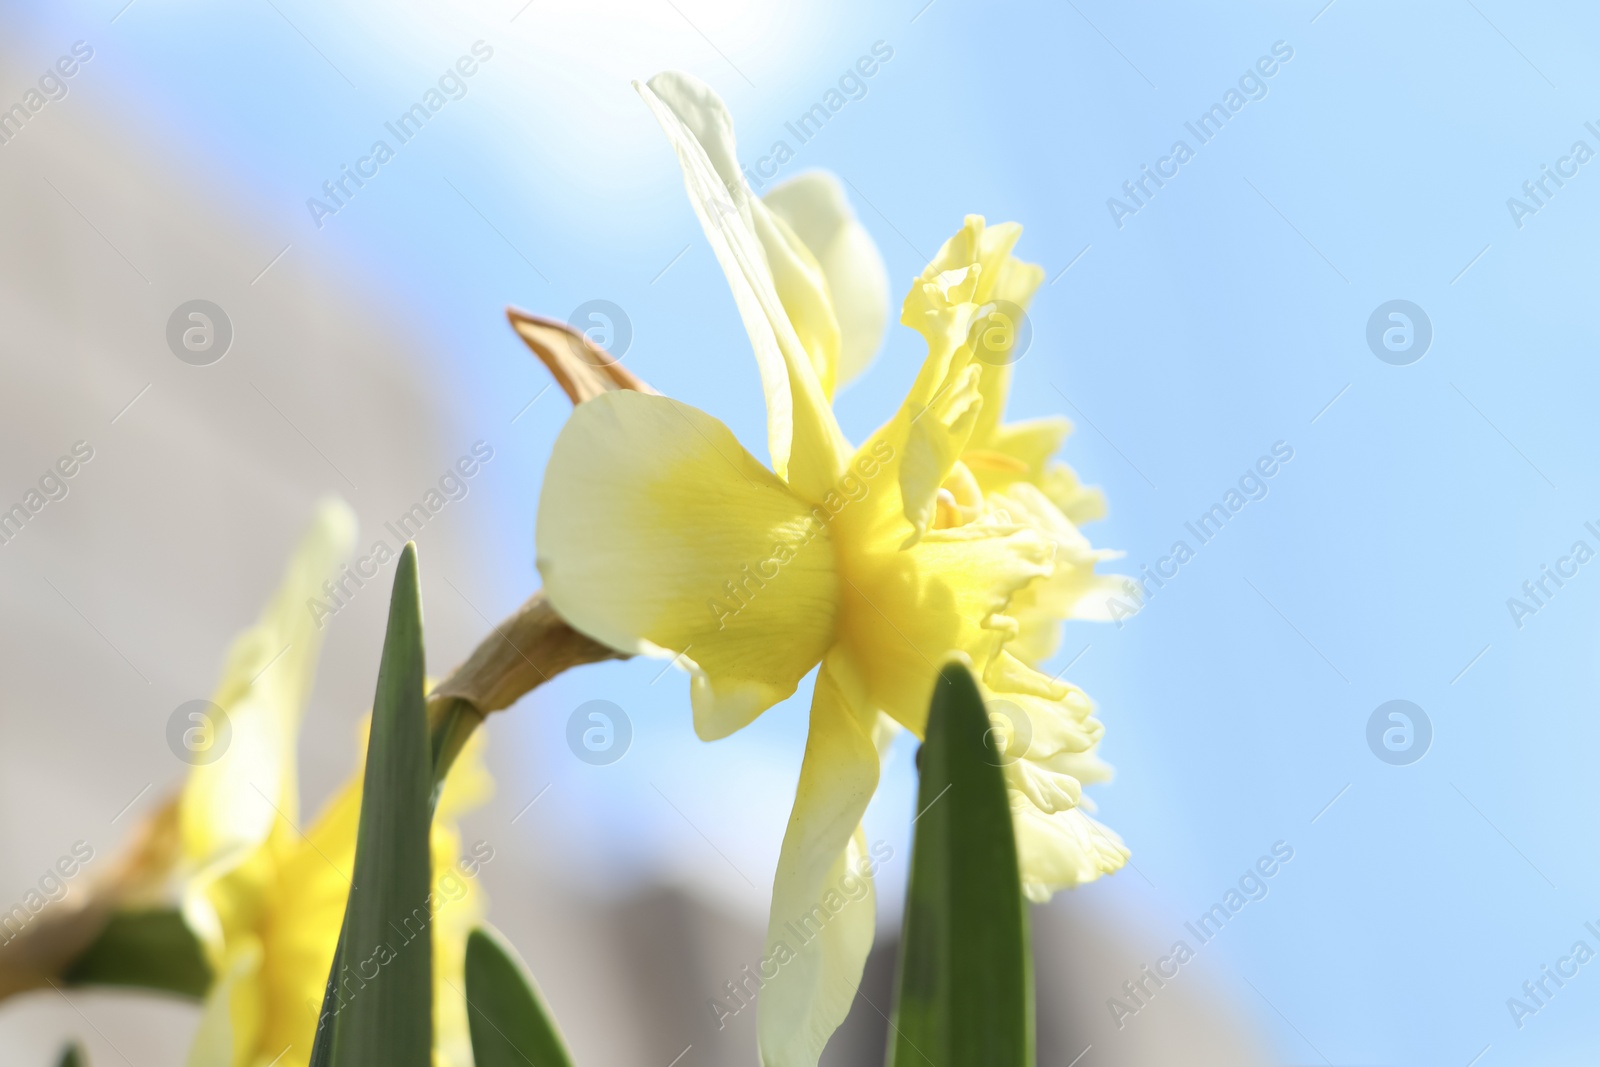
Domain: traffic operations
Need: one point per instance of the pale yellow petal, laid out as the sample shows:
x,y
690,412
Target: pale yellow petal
x,y
823,906
1006,287
460,904
1021,451
1030,442
1051,738
761,258
300,927
957,400
1062,850
934,441
660,535
946,404
230,1018
229,806
1072,590
906,611
815,208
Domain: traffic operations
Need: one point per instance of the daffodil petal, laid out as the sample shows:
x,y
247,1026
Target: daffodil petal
x,y
823,905
1021,451
934,441
1078,502
1008,283
1051,721
946,405
1030,442
907,611
229,806
660,535
816,210
461,906
941,303
1061,850
1072,590
762,258
230,1016
301,921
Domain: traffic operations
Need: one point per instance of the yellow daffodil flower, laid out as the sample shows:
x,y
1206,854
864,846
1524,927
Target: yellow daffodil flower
x,y
265,899
946,534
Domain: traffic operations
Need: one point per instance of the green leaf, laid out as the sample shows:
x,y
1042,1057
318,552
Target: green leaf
x,y
511,1026
382,983
964,992
151,949
72,1056
322,1040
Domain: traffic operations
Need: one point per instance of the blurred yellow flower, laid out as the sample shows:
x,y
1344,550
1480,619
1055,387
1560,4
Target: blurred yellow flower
x,y
948,533
265,899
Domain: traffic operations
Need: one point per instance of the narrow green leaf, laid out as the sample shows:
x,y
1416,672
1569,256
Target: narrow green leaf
x,y
322,1041
511,1026
72,1056
964,992
150,949
382,985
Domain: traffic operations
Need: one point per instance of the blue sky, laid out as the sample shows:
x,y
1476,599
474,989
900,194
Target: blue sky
x,y
1228,314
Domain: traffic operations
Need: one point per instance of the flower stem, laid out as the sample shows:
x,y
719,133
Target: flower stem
x,y
529,648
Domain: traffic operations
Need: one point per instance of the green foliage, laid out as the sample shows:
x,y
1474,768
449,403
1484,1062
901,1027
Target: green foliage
x,y
511,1027
964,992
387,1020
72,1056
150,949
